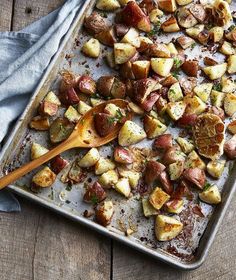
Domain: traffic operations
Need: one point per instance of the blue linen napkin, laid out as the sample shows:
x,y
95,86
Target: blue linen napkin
x,y
24,57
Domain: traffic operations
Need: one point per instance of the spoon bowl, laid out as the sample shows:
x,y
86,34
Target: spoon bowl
x,y
84,135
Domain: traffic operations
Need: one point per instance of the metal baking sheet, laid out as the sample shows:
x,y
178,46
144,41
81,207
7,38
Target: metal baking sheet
x,y
189,249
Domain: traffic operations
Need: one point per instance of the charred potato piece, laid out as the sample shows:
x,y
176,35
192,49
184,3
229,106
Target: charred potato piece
x,y
104,213
170,25
158,198
94,193
60,130
211,195
190,68
37,150
167,5
39,123
153,127
44,178
91,48
167,228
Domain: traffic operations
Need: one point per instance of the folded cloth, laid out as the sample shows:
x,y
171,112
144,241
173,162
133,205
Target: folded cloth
x,y
24,57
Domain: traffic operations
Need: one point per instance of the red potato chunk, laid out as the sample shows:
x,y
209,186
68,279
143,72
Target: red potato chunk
x,y
69,97
94,193
216,111
163,142
149,102
121,29
166,182
123,155
69,80
196,176
182,190
40,123
95,23
48,109
230,148
104,213
152,171
57,164
172,155
142,88
86,85
190,68
104,124
188,120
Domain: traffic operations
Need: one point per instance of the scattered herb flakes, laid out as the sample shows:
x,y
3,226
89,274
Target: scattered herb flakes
x,y
193,45
155,30
177,62
232,27
217,87
175,73
69,187
94,199
206,186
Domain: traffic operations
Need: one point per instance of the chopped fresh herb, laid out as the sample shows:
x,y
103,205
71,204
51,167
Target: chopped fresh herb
x,y
172,91
177,62
217,87
206,186
193,45
96,95
69,187
175,73
118,118
232,27
94,199
67,201
155,30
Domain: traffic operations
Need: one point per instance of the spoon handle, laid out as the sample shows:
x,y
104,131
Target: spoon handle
x,y
14,175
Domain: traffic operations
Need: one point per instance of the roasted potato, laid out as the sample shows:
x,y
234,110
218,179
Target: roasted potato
x,y
227,48
141,68
211,195
185,145
60,130
215,72
130,134
158,198
148,209
196,176
104,213
123,155
194,105
232,127
108,5
217,98
95,23
195,31
230,147
172,155
175,170
72,114
37,150
230,104
44,178
216,167
198,11
142,88
91,48
94,193
90,158
155,15
123,187
231,64
39,123
104,123
203,91
176,109
228,85
107,37
183,2
48,109
216,33
167,228
152,171
193,160
185,42
86,85
57,164
153,127
167,5
185,18
163,142
162,66
103,165
52,98
190,68
123,52
174,206
175,93
108,179
131,37
170,25
132,176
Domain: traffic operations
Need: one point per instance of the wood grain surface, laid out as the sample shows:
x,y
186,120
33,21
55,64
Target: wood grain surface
x,y
38,244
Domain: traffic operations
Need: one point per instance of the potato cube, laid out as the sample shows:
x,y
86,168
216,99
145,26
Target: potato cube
x,y
167,5
141,68
83,107
183,2
91,48
228,85
108,5
211,195
51,97
217,98
96,101
90,158
176,109
130,134
72,114
175,93
37,150
40,123
217,33
132,37
176,169
232,64
171,47
132,176
123,187
170,25
230,104
227,48
185,145
215,72
174,206
104,165
44,178
158,198
232,127
108,179
194,105
123,52
155,15
195,30
104,213
203,91
194,161
148,209
153,127
167,228
112,110
216,167
162,66
136,109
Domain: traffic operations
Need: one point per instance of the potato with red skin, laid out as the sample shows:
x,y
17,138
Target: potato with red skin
x,y
163,142
94,193
148,5
86,85
182,190
40,123
149,102
104,213
172,155
196,176
188,84
152,171
58,163
48,108
188,120
123,155
121,29
69,80
216,111
104,124
69,97
107,37
230,147
161,105
60,130
118,88
198,11
95,23
104,85
132,15
168,81
190,68
126,70
166,182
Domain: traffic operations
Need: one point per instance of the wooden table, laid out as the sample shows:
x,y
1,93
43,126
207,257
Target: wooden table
x,y
38,244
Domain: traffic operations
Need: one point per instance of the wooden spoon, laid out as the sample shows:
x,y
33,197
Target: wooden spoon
x,y
84,135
